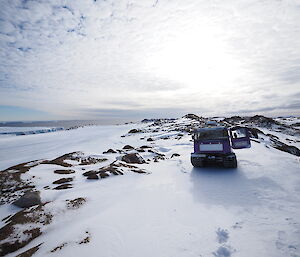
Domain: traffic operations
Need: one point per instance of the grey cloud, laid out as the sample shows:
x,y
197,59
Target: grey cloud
x,y
70,53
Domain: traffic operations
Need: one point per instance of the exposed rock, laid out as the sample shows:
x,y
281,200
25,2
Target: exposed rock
x,y
58,248
11,184
75,203
254,132
297,124
109,151
128,147
132,131
61,160
285,148
91,160
90,172
15,234
133,158
145,146
263,121
175,155
86,239
75,156
63,186
150,139
191,116
234,119
63,180
64,171
28,199
92,176
30,251
104,175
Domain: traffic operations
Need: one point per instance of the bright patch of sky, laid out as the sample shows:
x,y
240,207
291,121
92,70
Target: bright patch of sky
x,y
87,59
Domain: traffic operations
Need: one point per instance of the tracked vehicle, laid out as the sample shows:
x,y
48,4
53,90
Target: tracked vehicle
x,y
214,145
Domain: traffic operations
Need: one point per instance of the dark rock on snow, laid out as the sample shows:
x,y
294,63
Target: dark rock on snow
x,y
64,171
133,158
128,147
89,173
132,131
93,176
109,151
63,180
28,199
191,116
63,186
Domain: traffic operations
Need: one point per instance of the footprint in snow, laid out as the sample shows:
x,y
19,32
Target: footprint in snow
x,y
222,235
182,169
223,251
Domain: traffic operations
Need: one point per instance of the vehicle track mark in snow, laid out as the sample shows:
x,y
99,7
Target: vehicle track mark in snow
x,y
222,235
249,163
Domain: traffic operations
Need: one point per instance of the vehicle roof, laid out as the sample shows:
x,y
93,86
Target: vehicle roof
x,y
210,128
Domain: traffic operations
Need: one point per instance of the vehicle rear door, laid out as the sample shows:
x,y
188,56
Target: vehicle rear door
x,y
239,137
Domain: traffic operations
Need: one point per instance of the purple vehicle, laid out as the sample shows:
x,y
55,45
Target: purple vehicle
x,y
214,145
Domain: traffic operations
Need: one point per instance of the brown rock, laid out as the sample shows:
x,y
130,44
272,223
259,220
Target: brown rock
x,y
64,171
63,186
134,131
88,173
30,251
109,151
128,147
145,146
28,199
103,175
20,237
133,158
93,176
63,180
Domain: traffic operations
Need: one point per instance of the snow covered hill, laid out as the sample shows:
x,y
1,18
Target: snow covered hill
x,y
95,202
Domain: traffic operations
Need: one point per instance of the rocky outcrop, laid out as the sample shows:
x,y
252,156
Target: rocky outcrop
x,y
284,147
262,121
15,234
191,116
28,199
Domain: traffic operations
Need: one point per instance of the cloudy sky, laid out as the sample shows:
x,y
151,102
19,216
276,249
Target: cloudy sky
x,y
90,59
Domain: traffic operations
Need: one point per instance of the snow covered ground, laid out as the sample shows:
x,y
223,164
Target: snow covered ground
x,y
172,209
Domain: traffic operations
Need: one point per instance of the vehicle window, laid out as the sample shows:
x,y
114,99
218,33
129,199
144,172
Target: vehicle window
x,y
239,133
211,134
